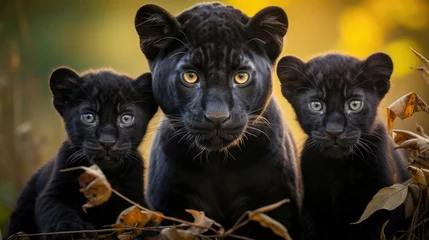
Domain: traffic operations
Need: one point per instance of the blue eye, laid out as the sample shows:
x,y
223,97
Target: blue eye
x,y
88,118
126,120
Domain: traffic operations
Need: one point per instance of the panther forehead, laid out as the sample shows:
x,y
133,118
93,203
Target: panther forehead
x,y
214,23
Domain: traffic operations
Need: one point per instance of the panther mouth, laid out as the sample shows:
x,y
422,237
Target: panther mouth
x,y
217,142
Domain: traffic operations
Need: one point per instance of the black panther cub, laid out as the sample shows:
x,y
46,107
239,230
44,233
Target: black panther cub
x,y
348,155
106,115
223,147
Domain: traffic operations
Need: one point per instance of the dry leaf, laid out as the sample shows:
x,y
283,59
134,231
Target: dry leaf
x,y
200,219
271,206
157,218
425,68
405,107
382,235
387,198
173,233
410,207
420,145
418,177
95,186
415,192
127,236
401,136
270,223
132,217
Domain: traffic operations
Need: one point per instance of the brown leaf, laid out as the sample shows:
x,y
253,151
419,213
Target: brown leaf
x,y
401,136
270,223
200,219
419,144
405,107
425,68
387,198
127,236
173,233
422,131
410,207
418,177
132,217
270,207
382,235
157,218
95,186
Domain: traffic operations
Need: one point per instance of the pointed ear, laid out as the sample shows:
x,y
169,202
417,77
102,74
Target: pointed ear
x,y
153,24
289,71
379,67
143,86
63,82
270,26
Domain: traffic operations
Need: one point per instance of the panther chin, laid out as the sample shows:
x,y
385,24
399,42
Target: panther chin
x,y
217,142
337,151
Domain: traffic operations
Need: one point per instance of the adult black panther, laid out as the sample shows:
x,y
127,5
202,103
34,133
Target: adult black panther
x,y
223,147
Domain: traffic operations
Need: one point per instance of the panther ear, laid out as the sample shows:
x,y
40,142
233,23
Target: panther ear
x,y
378,68
269,26
63,83
154,24
289,71
143,86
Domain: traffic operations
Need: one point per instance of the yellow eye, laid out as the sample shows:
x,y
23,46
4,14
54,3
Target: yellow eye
x,y
241,78
190,77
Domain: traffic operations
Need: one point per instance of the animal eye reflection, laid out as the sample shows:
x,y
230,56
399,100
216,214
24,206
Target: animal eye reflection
x,y
88,118
190,77
316,106
241,78
355,105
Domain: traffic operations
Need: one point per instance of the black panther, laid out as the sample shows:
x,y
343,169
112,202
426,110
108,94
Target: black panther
x,y
223,147
348,155
106,116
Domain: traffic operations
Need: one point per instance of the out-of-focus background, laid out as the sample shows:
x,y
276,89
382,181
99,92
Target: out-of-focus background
x,y
38,36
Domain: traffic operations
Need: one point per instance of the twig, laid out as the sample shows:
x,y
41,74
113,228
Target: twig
x,y
162,215
14,236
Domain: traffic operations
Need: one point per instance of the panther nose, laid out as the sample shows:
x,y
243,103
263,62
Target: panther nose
x,y
334,129
107,141
217,118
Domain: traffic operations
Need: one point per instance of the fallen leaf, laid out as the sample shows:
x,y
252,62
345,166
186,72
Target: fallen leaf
x,y
422,131
415,192
401,136
387,198
201,220
419,144
418,177
132,217
127,236
425,68
157,218
270,223
405,107
270,207
410,207
95,186
382,235
173,233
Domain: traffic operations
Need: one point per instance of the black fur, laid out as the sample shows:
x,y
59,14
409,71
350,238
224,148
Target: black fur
x,y
348,155
51,200
223,147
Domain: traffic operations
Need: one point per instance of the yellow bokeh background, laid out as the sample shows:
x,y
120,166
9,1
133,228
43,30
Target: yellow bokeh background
x,y
37,36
